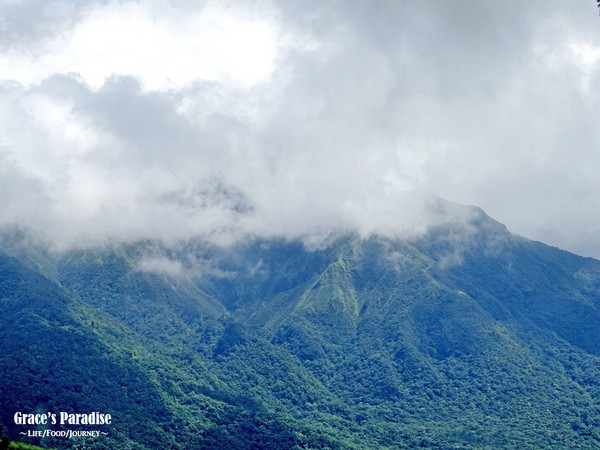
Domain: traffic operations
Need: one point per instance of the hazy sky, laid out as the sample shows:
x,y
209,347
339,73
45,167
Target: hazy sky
x,y
162,118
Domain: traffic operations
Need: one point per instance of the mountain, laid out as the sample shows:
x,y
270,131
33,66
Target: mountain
x,y
467,336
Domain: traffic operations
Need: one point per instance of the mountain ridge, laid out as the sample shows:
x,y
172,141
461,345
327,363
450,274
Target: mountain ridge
x,y
467,335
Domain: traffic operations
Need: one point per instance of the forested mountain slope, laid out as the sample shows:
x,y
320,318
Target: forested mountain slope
x,y
467,336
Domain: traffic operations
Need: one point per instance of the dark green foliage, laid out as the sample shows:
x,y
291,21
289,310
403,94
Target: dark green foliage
x,y
468,337
23,446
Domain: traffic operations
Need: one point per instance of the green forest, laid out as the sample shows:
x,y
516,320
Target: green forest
x,y
467,337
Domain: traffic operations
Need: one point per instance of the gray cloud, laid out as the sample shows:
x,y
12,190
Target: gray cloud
x,y
27,25
371,108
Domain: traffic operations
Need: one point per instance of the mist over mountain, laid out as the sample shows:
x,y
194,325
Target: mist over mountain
x,y
222,223
466,335
272,119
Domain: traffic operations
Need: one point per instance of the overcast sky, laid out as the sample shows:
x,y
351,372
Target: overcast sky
x,y
158,118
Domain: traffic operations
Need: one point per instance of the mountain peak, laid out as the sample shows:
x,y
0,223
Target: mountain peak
x,y
443,340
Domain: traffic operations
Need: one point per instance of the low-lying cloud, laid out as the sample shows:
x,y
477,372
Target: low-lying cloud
x,y
297,119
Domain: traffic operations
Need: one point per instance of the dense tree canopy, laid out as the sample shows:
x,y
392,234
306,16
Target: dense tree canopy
x,y
467,337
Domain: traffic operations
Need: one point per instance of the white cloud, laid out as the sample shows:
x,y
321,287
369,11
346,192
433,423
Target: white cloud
x,y
165,119
160,265
163,46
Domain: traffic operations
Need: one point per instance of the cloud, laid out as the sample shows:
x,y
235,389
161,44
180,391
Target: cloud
x,y
29,27
160,265
150,119
188,265
164,46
